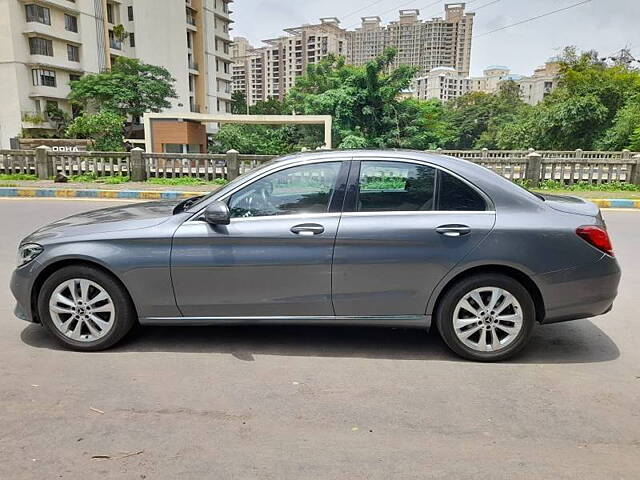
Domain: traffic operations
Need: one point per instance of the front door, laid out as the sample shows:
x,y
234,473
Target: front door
x,y
408,225
274,259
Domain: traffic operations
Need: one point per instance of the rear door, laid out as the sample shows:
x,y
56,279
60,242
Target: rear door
x,y
405,225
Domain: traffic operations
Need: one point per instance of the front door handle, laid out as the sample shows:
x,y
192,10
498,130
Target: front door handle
x,y
307,229
453,230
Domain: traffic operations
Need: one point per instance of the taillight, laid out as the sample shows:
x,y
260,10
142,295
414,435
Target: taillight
x,y
596,236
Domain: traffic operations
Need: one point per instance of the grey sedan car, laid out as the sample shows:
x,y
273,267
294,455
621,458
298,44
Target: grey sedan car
x,y
381,238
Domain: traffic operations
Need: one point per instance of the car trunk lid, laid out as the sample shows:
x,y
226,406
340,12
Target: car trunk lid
x,y
568,204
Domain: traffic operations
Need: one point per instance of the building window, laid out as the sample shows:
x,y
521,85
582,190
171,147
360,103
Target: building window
x,y
73,53
132,40
130,13
114,42
45,78
40,46
73,77
37,13
70,23
110,13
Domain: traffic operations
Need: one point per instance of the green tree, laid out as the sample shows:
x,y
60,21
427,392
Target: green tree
x,y
239,103
104,129
270,106
624,127
478,117
366,104
595,106
129,89
59,118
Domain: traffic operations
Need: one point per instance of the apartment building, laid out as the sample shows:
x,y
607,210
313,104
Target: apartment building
x,y
544,79
438,42
271,70
442,83
367,42
48,43
249,70
491,79
445,83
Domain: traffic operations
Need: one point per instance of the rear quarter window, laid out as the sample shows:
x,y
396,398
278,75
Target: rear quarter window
x,y
456,195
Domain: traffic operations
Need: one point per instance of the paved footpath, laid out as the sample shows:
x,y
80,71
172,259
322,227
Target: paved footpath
x,y
318,403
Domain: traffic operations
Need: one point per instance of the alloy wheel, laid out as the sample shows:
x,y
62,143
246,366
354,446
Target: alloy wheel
x,y
82,310
487,319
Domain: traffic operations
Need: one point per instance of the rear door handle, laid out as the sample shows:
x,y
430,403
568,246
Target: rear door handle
x,y
453,230
307,229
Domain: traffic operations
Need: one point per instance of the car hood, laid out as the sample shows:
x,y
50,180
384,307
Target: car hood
x,y
128,217
568,204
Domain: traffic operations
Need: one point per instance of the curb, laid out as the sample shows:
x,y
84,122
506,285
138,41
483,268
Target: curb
x,y
615,202
27,192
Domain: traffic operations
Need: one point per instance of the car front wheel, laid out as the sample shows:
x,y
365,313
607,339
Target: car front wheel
x,y
85,308
486,317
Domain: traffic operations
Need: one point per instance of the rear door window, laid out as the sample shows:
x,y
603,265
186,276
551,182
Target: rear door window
x,y
395,187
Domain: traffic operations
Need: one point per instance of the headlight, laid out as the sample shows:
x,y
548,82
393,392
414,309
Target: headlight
x,y
28,252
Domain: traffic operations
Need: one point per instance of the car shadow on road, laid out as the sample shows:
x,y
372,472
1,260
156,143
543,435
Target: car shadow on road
x,y
574,342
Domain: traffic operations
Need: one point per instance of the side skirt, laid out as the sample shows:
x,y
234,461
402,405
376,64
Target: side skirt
x,y
415,321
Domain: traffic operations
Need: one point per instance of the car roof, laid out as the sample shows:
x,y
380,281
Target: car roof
x,y
359,154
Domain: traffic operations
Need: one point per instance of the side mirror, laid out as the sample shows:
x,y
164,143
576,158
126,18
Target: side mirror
x,y
217,213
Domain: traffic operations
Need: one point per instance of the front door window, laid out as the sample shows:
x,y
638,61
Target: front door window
x,y
303,189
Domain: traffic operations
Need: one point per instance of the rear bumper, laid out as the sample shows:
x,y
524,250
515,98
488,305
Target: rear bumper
x,y
580,292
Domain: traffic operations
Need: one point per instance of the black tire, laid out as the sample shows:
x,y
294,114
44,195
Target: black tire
x,y
124,317
447,305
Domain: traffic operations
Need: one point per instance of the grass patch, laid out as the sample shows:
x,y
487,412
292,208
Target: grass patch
x,y
586,189
17,176
93,178
594,193
188,181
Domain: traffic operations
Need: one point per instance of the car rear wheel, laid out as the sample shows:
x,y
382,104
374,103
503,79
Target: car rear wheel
x,y
486,317
85,308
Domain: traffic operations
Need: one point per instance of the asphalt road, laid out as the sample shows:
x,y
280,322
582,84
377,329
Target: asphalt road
x,y
318,403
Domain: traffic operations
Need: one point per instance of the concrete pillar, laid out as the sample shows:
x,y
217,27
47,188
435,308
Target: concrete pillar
x,y
44,163
534,170
233,164
634,171
328,125
137,170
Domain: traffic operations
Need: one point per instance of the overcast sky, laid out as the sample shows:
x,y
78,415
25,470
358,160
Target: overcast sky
x,y
604,25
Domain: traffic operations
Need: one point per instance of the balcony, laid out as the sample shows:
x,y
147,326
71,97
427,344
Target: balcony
x,y
34,29
54,63
36,120
115,44
63,5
